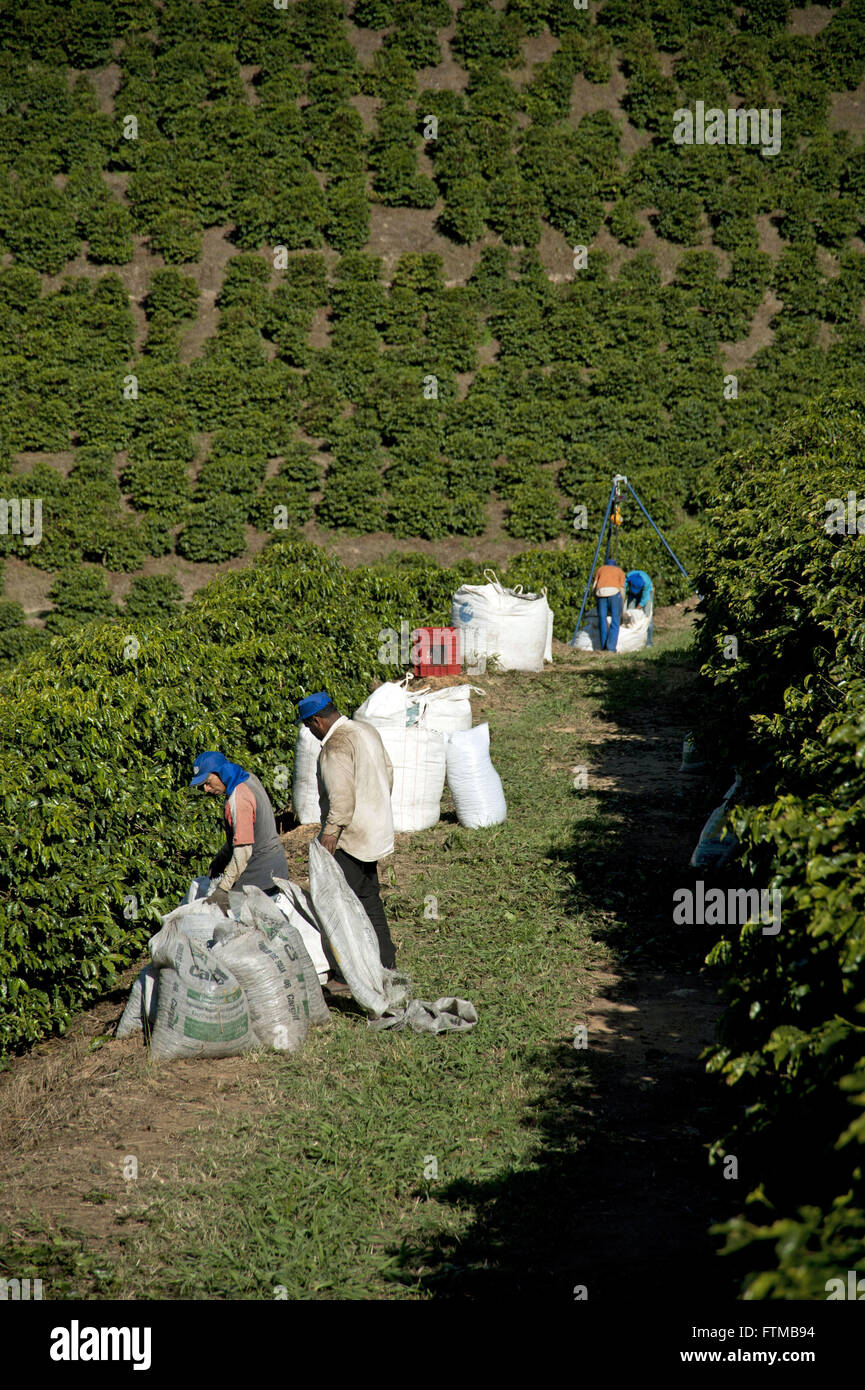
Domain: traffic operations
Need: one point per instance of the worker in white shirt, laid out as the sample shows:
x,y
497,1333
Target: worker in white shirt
x,y
355,777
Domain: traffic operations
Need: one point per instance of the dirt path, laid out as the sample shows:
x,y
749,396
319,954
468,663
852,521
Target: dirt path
x,y
622,1194
77,1109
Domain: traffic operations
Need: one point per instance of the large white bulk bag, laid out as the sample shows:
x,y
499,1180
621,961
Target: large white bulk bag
x,y
548,645
633,632
388,704
475,785
419,765
505,623
304,782
448,710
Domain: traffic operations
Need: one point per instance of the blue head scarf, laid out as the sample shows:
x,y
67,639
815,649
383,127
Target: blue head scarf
x,y
229,773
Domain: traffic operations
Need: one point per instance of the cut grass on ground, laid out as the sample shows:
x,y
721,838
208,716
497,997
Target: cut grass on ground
x,y
390,1165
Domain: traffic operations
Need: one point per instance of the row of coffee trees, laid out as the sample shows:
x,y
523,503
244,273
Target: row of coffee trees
x,y
784,572
366,398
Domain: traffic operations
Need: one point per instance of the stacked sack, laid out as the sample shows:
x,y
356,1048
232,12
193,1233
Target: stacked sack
x,y
416,751
221,985
514,627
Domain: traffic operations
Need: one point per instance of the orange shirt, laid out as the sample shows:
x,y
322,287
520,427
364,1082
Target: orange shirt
x,y
609,577
244,802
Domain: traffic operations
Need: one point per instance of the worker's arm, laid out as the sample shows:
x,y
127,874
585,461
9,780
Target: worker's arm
x,y
338,775
235,867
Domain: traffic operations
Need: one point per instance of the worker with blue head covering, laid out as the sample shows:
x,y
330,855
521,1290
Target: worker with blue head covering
x,y
253,853
640,593
355,780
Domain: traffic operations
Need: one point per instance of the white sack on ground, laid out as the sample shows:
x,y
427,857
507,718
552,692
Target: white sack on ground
x,y
351,936
202,1010
505,623
388,704
447,1015
197,919
276,1015
446,711
548,645
633,632
308,931
418,757
279,929
141,1004
717,844
304,782
475,785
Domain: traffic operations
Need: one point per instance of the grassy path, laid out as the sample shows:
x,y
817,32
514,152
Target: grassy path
x,y
400,1166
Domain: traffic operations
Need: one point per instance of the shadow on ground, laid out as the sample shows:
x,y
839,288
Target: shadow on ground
x,y
620,1196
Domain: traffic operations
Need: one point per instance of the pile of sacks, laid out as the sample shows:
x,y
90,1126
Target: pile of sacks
x,y
218,985
429,738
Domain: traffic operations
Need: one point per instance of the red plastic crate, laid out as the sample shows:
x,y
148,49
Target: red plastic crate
x,y
437,651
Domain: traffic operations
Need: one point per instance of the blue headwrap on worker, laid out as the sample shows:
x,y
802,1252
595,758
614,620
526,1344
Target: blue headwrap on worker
x,y
229,773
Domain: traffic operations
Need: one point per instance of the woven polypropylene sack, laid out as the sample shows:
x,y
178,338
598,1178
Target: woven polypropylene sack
x,y
302,918
202,1010
475,785
280,930
418,758
276,1015
141,1004
197,919
633,632
447,711
304,783
388,704
351,936
503,623
548,645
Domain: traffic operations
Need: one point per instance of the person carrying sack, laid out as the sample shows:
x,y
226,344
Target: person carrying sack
x,y
355,779
609,586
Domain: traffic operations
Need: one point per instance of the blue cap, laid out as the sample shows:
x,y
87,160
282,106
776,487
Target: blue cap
x,y
206,763
312,704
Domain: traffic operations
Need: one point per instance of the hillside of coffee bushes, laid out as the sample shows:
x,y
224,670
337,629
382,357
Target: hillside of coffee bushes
x,y
789,713
370,393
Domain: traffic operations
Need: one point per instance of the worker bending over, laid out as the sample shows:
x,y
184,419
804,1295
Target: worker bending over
x,y
355,777
641,594
253,853
609,585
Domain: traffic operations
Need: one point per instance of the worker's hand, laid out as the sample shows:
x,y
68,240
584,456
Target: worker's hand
x,y
220,897
329,842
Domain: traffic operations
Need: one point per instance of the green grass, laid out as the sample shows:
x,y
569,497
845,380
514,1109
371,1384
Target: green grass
x,y
389,1165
